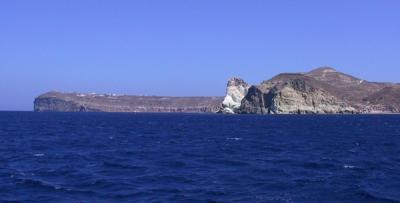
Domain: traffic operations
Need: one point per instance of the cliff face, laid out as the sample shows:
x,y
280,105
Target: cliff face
x,y
320,91
300,96
76,102
236,90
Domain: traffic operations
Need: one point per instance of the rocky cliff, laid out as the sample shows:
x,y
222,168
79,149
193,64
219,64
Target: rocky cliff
x,y
235,92
323,90
77,102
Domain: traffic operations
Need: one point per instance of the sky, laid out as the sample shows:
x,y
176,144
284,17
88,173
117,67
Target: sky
x,y
187,48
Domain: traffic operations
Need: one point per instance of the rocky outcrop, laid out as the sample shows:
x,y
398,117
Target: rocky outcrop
x,y
77,102
321,91
301,97
235,92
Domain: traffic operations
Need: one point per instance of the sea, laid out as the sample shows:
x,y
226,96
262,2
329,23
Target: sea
x,y
165,157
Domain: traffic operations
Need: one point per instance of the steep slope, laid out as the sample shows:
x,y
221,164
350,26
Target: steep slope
x,y
76,102
356,91
349,87
384,100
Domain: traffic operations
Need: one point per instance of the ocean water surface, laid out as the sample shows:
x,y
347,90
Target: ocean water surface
x,y
128,157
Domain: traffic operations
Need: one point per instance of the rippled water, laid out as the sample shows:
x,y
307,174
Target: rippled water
x,y
100,157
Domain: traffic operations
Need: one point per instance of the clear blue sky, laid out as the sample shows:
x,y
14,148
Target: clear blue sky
x,y
185,48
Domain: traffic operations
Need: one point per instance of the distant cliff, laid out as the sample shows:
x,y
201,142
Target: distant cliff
x,y
321,91
78,102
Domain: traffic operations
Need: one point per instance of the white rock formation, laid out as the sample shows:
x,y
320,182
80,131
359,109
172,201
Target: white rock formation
x,y
235,92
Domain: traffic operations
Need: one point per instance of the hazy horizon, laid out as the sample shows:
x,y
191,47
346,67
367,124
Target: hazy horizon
x,y
187,48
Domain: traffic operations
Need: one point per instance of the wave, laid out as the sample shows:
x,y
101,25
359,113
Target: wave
x,y
378,197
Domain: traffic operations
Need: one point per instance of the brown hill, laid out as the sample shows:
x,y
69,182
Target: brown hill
x,y
323,90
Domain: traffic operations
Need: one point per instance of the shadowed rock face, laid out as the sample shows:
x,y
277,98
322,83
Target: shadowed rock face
x,y
76,102
323,90
254,102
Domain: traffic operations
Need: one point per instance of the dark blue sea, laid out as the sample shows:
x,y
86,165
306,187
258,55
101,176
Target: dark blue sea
x,y
128,157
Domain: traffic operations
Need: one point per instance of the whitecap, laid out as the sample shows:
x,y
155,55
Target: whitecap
x,y
348,166
38,155
234,138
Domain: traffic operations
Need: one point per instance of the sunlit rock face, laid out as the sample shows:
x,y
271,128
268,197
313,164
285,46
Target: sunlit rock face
x,y
235,92
298,96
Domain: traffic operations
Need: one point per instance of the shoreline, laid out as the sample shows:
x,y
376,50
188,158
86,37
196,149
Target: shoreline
x,y
197,113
